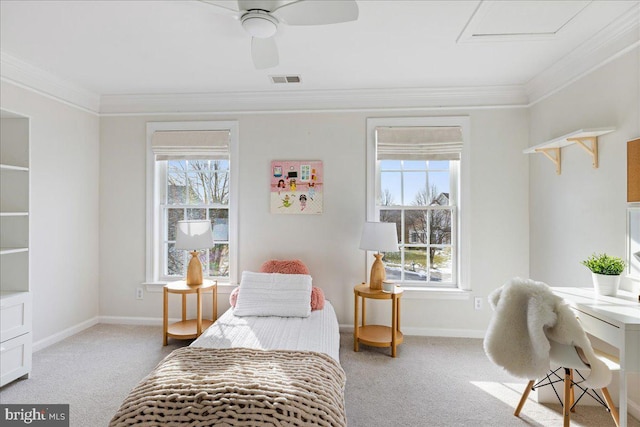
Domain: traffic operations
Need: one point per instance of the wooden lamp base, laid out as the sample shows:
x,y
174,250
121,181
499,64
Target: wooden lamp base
x,y
378,274
194,270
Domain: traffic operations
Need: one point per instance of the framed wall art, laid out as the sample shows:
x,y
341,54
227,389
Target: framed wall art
x,y
296,187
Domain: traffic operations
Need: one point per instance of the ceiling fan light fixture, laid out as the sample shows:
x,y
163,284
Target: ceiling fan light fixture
x,y
259,24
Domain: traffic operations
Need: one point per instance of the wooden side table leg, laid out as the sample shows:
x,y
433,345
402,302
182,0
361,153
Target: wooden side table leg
x,y
184,307
398,315
364,311
355,322
199,312
394,324
215,302
165,315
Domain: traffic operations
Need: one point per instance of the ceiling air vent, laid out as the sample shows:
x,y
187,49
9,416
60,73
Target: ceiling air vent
x,y
285,79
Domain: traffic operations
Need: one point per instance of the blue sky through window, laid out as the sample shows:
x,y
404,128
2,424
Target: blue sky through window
x,y
417,176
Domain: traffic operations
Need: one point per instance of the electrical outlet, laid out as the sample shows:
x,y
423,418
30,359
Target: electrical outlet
x,y
139,293
477,303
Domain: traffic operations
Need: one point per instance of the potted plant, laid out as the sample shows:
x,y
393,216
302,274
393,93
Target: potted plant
x,y
605,272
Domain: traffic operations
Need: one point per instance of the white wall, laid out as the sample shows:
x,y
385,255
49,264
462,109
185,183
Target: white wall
x,y
328,243
583,210
64,211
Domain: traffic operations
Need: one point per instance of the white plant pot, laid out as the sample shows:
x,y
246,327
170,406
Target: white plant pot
x,y
606,284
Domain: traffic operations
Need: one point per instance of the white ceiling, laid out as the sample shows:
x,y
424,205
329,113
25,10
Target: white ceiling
x,y
177,47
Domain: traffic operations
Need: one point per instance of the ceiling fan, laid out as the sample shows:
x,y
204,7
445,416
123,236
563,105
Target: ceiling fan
x,y
260,18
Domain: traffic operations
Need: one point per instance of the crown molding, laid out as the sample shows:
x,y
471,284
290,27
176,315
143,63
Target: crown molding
x,y
613,41
20,73
618,38
355,99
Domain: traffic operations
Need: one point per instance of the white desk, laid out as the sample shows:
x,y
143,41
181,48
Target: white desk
x,y
614,320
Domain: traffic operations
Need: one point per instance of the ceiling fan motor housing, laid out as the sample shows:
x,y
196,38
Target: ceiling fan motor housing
x,y
259,24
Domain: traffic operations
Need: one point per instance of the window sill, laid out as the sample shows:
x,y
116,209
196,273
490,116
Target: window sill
x,y
223,287
435,293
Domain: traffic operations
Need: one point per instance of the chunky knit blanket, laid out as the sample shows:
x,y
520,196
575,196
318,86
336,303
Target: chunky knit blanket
x,y
238,387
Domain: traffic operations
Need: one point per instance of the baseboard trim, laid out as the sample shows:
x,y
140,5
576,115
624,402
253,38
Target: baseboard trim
x,y
423,332
633,408
430,332
57,337
447,333
146,321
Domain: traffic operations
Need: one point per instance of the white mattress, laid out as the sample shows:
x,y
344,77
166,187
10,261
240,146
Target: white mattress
x,y
319,332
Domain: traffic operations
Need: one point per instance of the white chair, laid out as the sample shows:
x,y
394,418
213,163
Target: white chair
x,y
571,358
533,329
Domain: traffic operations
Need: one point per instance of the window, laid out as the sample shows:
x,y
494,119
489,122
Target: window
x,y
414,182
191,170
195,189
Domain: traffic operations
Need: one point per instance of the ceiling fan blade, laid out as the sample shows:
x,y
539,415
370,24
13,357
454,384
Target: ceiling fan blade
x,y
317,12
224,7
264,53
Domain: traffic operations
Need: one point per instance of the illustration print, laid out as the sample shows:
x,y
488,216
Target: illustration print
x,y
296,187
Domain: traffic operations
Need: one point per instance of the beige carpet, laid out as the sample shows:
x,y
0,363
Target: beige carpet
x,y
432,382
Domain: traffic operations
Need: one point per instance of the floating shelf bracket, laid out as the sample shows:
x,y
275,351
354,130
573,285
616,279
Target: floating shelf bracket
x,y
552,154
592,150
585,138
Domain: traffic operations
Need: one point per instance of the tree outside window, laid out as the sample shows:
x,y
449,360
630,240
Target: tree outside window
x,y
197,189
424,218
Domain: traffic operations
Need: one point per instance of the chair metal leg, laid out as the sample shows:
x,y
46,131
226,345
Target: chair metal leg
x,y
611,406
566,406
523,399
568,399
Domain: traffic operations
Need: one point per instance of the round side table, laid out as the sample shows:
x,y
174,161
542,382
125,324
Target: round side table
x,y
188,328
376,335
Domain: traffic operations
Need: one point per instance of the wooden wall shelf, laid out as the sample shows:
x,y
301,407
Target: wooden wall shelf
x,y
585,138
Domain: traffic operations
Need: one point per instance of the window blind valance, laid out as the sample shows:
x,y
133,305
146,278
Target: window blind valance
x,y
419,143
192,144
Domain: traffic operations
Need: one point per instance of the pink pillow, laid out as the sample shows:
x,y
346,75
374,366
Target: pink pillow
x,y
287,267
233,296
317,299
294,266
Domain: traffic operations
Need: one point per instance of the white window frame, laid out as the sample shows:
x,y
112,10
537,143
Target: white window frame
x,y
156,171
404,208
462,241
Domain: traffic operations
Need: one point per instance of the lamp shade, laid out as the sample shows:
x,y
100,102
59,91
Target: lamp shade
x,y
192,235
379,236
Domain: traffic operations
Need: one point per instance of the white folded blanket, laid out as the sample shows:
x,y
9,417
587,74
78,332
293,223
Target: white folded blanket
x,y
274,294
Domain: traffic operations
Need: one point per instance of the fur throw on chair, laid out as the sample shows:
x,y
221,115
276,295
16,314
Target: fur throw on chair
x,y
527,316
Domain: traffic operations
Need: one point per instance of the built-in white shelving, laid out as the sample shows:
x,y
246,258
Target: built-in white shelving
x,y
6,251
587,139
15,293
13,168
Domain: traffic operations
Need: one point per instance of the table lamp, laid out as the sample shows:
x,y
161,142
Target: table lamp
x,y
380,237
192,236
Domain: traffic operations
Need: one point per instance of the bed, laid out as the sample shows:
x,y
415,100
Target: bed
x,y
247,371
318,333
